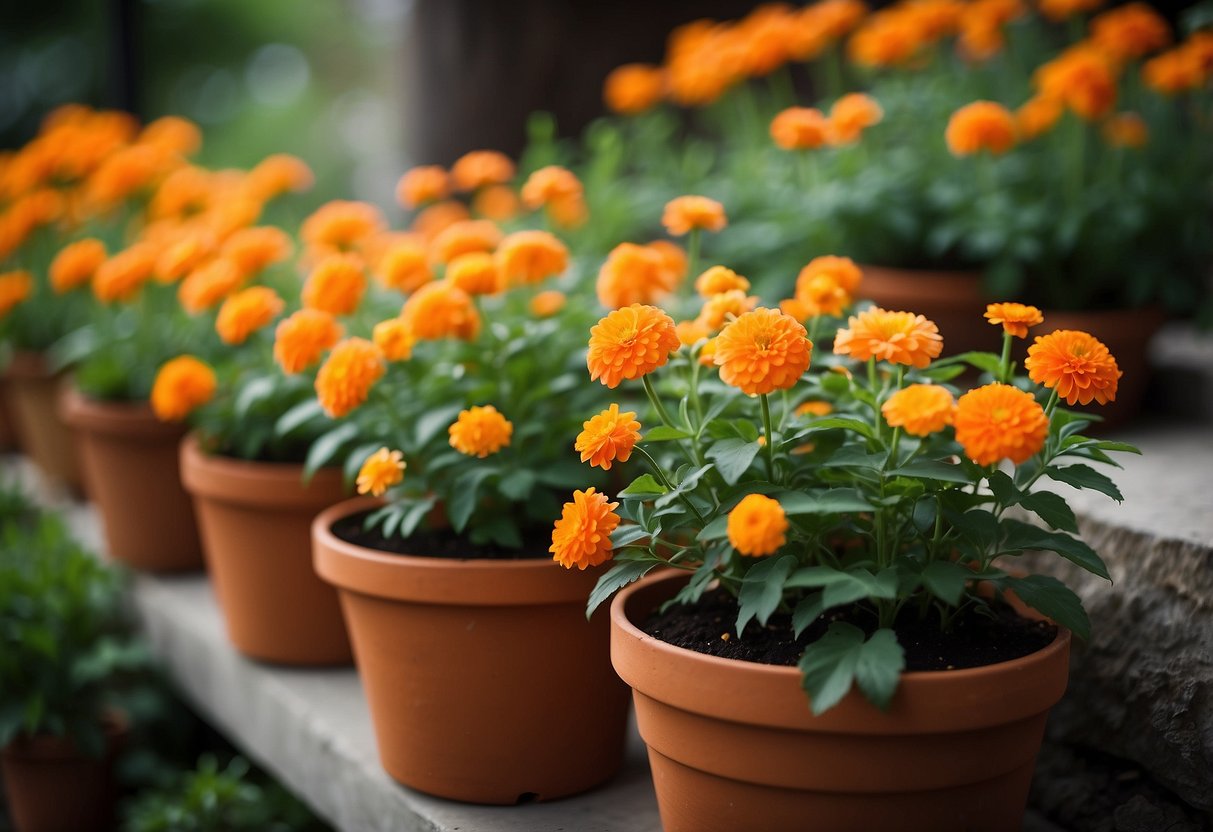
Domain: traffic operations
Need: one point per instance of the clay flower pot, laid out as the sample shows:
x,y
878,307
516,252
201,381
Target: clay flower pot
x,y
9,441
256,524
734,747
130,462
954,300
485,681
32,393
52,786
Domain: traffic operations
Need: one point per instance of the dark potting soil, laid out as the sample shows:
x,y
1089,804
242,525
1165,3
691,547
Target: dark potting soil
x,y
974,641
438,543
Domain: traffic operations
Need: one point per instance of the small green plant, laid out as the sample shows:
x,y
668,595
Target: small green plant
x,y
63,640
212,798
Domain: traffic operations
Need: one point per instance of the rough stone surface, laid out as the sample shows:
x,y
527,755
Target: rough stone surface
x,y
1181,358
1142,688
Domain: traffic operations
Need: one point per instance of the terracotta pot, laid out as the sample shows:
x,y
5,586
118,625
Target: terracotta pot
x,y
9,440
32,392
130,462
954,300
485,681
733,745
256,524
53,787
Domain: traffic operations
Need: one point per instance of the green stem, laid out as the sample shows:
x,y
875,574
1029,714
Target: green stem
x,y
770,434
693,254
657,469
656,402
1004,364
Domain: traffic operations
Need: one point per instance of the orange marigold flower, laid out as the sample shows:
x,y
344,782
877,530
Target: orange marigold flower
x,y
426,183
245,312
724,307
546,304
896,337
1075,364
277,174
347,376
762,351
800,128
1130,31
1126,130
1062,9
498,203
707,353
568,212
394,338
814,407
208,285
172,134
181,386
633,88
341,225
630,343
816,294
684,214
550,184
887,39
757,526
719,279
480,431
122,276
441,310
336,285
436,218
842,270
75,264
380,471
691,333
1082,78
998,422
1016,318
253,249
15,287
127,171
474,273
465,237
851,115
405,266
184,254
982,125
920,409
480,168
634,274
674,257
582,536
1037,116
1174,71
607,437
301,339
526,258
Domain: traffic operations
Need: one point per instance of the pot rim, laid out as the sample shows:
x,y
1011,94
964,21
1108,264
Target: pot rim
x,y
26,365
124,419
772,695
440,580
250,482
116,724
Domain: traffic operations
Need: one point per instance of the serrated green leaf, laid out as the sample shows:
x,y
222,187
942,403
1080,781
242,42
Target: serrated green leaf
x,y
946,580
297,417
1084,476
828,665
517,484
1022,537
644,486
1003,488
823,501
326,448
933,469
664,433
762,590
714,530
464,493
252,393
806,612
1052,509
1052,598
617,577
841,423
733,457
878,670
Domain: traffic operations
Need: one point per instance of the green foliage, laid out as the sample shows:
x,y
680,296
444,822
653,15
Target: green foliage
x,y
214,798
63,638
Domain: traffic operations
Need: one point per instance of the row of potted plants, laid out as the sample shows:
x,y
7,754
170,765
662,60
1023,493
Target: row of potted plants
x,y
848,506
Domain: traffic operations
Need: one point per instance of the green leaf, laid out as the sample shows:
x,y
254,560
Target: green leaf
x,y
517,484
762,590
432,422
644,486
823,501
733,457
715,530
617,577
664,433
933,469
841,657
1084,476
946,580
1052,509
1003,488
297,417
251,394
978,526
987,361
1054,599
628,533
465,492
325,448
841,422
806,612
1122,447
1026,537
